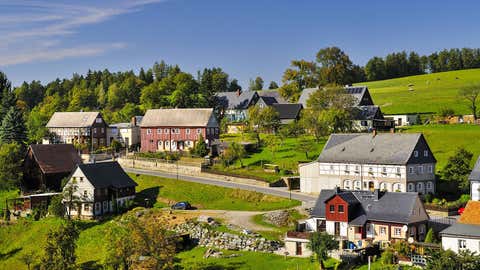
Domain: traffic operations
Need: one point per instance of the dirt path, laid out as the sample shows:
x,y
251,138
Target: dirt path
x,y
241,219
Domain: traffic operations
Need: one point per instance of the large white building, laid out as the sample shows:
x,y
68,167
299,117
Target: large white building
x,y
390,162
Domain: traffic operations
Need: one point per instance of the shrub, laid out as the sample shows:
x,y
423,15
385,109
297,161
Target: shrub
x,y
402,248
430,238
387,257
56,207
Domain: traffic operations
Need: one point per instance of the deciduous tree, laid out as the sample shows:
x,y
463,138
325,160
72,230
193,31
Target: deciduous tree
x,y
471,94
320,244
60,248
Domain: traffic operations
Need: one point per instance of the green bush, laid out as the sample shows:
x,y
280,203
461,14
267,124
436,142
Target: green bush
x,y
387,257
56,207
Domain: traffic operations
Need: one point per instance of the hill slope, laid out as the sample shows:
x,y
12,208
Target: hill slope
x,y
431,92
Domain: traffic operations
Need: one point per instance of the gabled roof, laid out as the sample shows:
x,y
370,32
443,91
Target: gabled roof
x,y
288,111
365,148
237,100
360,93
179,118
394,207
475,174
462,230
72,119
106,175
55,158
272,96
471,214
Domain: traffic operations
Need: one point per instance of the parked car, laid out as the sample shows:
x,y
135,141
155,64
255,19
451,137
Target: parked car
x,y
182,206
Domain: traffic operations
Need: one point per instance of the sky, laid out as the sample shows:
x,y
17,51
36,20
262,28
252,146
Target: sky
x,y
45,40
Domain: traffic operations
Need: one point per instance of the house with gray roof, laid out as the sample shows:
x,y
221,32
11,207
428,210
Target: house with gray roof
x,y
234,105
78,127
360,161
366,115
369,216
128,133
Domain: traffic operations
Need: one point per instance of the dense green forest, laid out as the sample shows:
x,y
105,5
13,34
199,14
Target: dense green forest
x,y
119,95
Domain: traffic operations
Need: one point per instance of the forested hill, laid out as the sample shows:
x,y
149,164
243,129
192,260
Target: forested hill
x,y
120,95
428,93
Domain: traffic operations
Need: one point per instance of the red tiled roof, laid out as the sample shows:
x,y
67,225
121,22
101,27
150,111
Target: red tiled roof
x,y
55,158
471,214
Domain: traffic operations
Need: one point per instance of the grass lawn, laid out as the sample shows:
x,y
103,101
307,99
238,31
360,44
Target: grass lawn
x,y
193,259
286,157
445,139
6,194
431,92
167,191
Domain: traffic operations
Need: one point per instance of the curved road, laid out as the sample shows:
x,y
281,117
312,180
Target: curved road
x,y
281,192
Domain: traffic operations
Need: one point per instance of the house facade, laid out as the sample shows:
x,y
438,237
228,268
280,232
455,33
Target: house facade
x,y
391,162
45,165
465,234
100,187
128,134
78,127
403,119
177,129
234,105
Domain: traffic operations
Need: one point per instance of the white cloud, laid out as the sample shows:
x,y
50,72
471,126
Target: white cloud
x,y
37,30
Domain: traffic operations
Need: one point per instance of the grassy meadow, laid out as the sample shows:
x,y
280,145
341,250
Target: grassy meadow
x,y
431,92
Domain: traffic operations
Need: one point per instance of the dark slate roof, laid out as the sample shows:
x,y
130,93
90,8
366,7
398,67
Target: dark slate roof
x,y
232,100
268,100
288,111
384,148
272,95
394,207
463,230
107,174
55,158
366,112
475,174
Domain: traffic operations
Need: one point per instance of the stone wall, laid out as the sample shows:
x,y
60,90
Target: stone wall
x,y
206,236
160,166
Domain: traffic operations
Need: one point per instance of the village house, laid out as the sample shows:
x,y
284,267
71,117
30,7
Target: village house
x,y
465,234
100,187
177,129
45,165
366,115
234,105
364,217
128,134
403,119
385,161
87,128
287,112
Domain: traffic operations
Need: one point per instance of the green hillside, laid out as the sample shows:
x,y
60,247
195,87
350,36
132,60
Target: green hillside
x,y
431,92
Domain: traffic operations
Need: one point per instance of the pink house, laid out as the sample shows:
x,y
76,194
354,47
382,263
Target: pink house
x,y
177,129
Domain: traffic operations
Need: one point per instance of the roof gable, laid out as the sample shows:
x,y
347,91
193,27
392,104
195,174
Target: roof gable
x,y
72,119
475,174
471,214
237,100
55,158
106,175
179,118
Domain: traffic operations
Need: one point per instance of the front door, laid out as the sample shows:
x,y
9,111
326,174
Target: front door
x,y
337,228
298,250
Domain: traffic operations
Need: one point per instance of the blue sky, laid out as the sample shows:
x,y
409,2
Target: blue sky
x,y
43,40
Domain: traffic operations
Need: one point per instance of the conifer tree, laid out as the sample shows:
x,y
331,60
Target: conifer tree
x,y
13,127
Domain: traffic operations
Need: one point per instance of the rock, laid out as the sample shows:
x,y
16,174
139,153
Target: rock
x,y
278,218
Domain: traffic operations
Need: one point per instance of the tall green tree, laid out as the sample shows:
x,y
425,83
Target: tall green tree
x,y
256,85
458,168
300,75
13,127
234,86
273,85
336,68
471,95
11,158
60,248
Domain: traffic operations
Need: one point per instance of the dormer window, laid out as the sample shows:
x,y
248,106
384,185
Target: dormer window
x,y
98,120
415,153
425,153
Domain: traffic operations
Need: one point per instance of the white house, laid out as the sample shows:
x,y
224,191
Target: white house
x,y
465,234
391,162
99,187
128,134
403,119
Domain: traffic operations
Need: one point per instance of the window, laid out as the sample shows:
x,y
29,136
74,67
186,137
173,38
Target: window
x,y
94,130
425,153
166,131
415,153
85,193
98,120
429,185
363,123
177,130
357,168
102,130
430,168
331,167
159,131
347,168
384,170
398,170
419,186
383,230
166,143
420,169
370,170
410,170
199,130
97,207
421,229
332,208
187,131
86,207
340,208
411,187
151,141
346,184
174,143
149,131
74,178
105,206
462,244
397,231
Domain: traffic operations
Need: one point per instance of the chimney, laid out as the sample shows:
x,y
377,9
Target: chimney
x,y
337,190
239,92
374,133
134,121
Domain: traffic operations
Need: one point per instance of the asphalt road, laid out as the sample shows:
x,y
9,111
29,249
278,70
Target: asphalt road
x,y
281,192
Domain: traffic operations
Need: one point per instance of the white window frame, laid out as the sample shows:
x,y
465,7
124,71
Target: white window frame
x,y
149,131
159,131
166,131
425,153
397,231
410,170
187,131
462,244
430,169
420,169
415,153
383,230
199,130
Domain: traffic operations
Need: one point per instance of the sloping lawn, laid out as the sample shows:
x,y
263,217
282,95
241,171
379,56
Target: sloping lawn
x,y
431,92
167,191
445,139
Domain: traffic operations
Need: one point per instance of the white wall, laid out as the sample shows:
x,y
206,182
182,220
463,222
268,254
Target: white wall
x,y
475,191
449,242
